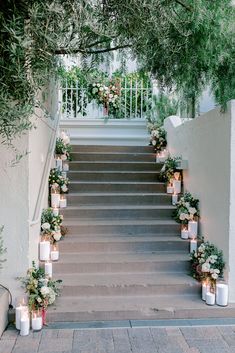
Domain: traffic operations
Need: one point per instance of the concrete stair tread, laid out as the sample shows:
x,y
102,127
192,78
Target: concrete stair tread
x,y
120,207
113,153
117,182
115,162
121,257
117,194
142,279
109,239
68,222
107,172
156,302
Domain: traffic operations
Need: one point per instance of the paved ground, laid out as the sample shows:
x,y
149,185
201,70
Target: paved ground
x,y
203,339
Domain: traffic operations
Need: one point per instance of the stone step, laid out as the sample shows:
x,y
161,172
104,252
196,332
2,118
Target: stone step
x,y
155,307
121,262
127,284
125,227
111,176
133,244
114,166
115,187
113,156
113,149
118,212
76,199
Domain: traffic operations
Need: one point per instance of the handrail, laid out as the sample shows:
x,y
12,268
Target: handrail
x,y
50,152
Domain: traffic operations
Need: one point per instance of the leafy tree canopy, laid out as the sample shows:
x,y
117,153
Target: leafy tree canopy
x,y
186,44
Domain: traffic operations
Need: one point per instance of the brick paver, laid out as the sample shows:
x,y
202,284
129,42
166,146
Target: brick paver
x,y
122,340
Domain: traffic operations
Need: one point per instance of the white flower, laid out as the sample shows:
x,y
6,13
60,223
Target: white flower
x,y
98,84
57,235
45,291
192,210
101,89
110,95
183,216
51,297
154,142
188,216
187,204
206,267
64,188
214,276
63,157
39,300
46,226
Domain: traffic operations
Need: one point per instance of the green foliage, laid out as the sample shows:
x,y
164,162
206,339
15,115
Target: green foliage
x,y
169,168
207,263
42,291
49,218
187,209
56,180
163,106
62,148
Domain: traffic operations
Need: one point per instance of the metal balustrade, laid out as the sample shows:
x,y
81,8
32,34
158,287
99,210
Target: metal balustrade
x,y
135,100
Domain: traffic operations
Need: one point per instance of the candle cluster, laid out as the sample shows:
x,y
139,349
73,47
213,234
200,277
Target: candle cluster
x,y
217,295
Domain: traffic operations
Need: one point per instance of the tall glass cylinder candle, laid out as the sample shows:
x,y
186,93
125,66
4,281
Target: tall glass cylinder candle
x,y
36,321
170,189
192,229
210,298
174,199
48,268
54,253
65,166
19,311
177,186
222,294
58,163
24,324
55,200
193,245
55,211
63,202
184,232
44,250
205,289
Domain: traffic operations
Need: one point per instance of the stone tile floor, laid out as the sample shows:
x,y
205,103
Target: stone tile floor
x,y
204,339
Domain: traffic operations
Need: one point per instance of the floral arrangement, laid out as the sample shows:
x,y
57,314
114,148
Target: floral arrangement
x,y
56,180
51,225
187,209
158,138
108,95
63,148
169,169
207,263
41,290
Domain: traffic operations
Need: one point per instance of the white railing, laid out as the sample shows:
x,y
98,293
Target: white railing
x,y
135,100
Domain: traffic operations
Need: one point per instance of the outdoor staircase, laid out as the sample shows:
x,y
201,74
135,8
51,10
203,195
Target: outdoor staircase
x,y
123,257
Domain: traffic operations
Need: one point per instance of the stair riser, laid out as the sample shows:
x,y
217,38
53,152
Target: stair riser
x,y
164,266
173,229
141,167
89,187
113,177
129,290
114,157
119,200
92,247
118,214
115,149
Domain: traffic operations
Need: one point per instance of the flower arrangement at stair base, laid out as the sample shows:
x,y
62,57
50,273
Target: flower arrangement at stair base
x,y
51,225
169,169
207,263
41,291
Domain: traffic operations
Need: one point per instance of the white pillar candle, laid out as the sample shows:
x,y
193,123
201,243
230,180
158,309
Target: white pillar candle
x,y
65,166
193,245
55,200
170,189
222,294
210,298
58,163
55,254
55,211
64,174
192,229
36,322
18,313
24,324
205,289
63,202
184,233
174,199
48,268
177,186
44,250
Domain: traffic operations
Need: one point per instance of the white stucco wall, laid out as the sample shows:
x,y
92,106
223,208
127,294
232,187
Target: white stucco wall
x,y
19,189
208,143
